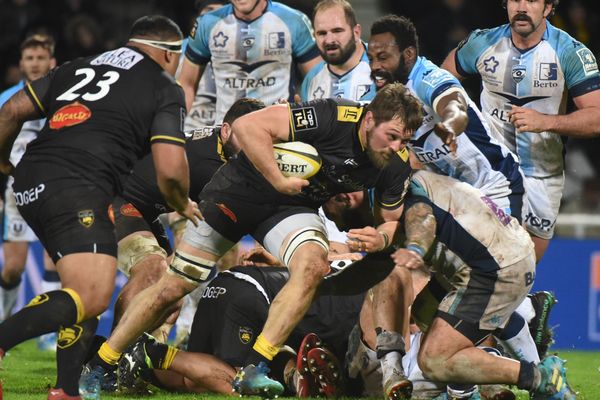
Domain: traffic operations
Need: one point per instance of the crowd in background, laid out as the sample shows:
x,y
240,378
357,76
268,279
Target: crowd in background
x,y
86,27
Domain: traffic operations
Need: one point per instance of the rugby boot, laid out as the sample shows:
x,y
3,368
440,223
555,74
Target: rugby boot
x,y
542,303
553,384
59,394
134,362
95,378
253,381
305,382
396,386
326,369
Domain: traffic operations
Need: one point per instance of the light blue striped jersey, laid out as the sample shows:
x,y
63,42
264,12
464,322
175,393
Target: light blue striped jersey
x,y
252,59
202,112
356,84
480,160
539,78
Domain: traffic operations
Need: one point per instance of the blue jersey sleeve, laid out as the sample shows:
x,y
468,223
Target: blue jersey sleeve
x,y
307,80
580,69
433,82
469,50
304,47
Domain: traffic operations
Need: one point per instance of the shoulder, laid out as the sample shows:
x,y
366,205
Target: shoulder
x,y
8,93
480,38
284,11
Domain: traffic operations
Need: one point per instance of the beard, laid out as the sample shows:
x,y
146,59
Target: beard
x,y
343,56
399,75
376,157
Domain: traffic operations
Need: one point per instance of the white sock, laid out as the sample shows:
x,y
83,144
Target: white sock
x,y
48,286
526,310
522,347
391,364
8,299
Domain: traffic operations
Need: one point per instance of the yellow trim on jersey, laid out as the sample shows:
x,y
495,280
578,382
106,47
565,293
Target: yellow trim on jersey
x,y
165,137
391,205
403,154
220,151
349,113
37,100
292,130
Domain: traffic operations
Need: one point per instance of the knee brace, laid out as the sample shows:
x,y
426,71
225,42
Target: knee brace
x,y
135,249
191,268
301,237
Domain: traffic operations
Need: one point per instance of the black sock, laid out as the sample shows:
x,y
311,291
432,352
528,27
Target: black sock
x,y
44,314
9,286
254,357
527,376
71,352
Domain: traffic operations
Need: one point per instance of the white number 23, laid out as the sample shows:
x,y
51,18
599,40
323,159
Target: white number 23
x,y
104,85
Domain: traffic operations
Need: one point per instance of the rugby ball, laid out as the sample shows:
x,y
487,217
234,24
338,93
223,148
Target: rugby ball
x,y
297,159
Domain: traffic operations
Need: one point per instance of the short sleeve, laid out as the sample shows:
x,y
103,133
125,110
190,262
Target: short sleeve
x,y
167,125
468,52
393,182
39,91
197,50
304,47
580,70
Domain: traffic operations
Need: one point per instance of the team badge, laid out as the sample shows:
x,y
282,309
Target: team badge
x,y
129,210
86,218
304,118
588,61
246,334
37,300
518,73
68,336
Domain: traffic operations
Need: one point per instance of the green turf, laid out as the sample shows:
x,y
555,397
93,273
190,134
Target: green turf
x,y
28,373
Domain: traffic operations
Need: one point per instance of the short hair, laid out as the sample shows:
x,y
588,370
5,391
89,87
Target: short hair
x,y
393,101
200,4
156,27
241,107
401,28
348,10
39,40
554,4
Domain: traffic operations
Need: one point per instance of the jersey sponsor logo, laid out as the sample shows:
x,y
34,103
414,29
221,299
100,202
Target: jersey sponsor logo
x,y
362,90
588,61
245,334
276,40
225,210
69,115
201,133
250,83
68,336
490,64
249,68
129,210
434,77
548,71
17,227
429,156
304,118
540,223
349,113
86,218
319,93
518,72
220,39
29,196
213,292
498,212
122,58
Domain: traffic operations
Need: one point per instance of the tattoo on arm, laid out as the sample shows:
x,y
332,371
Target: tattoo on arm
x,y
420,225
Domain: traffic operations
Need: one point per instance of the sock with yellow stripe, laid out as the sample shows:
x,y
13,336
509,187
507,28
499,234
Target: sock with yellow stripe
x,y
263,350
44,314
71,352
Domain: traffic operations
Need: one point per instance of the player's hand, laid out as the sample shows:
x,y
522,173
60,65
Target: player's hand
x,y
258,257
191,212
6,167
408,259
447,134
365,239
344,256
528,120
290,185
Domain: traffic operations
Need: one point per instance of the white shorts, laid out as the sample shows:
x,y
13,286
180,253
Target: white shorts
x,y
15,227
542,203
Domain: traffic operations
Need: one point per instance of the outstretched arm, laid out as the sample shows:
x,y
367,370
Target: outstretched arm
x,y
420,225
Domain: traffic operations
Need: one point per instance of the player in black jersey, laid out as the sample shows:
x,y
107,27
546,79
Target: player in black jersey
x,y
361,147
103,112
143,243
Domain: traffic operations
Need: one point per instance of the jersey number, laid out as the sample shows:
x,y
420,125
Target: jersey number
x,y
104,85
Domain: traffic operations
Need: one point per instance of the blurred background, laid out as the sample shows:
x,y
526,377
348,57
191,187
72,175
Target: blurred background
x,y
571,267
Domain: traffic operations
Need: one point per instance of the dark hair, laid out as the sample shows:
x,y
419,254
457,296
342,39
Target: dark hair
x,y
401,28
241,107
554,4
394,100
39,40
200,4
156,27
348,10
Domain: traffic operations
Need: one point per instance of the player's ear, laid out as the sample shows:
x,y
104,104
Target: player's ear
x,y
225,132
410,54
52,63
357,32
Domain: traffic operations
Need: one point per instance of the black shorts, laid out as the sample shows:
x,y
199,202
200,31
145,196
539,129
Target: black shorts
x,y
68,213
230,315
130,218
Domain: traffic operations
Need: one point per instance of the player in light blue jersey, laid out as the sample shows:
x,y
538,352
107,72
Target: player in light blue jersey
x,y
345,71
475,158
254,47
528,70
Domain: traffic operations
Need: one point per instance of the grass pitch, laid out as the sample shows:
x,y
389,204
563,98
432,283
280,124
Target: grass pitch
x,y
28,373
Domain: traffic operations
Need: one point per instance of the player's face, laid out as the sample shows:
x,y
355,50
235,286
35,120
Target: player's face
x,y
386,60
36,62
527,16
248,9
335,38
385,139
